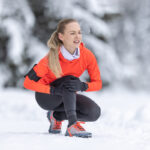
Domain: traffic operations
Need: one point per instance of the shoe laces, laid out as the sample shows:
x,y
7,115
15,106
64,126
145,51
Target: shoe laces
x,y
79,126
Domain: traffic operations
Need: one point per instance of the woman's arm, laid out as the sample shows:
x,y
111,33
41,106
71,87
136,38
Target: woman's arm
x,y
34,75
95,83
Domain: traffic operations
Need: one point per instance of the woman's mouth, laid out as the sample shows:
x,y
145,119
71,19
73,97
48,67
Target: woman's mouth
x,y
76,41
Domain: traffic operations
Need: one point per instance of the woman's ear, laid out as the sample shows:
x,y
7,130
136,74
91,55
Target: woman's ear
x,y
60,36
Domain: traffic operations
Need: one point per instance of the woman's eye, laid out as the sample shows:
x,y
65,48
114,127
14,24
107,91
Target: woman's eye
x,y
73,33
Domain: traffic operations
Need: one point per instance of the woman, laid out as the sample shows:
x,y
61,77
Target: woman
x,y
56,80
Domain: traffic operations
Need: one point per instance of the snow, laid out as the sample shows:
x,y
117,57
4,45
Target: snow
x,y
97,25
17,27
14,30
27,13
124,123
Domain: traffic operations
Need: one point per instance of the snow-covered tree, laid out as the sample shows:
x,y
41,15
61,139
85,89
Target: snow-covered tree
x,y
17,41
27,25
131,42
116,31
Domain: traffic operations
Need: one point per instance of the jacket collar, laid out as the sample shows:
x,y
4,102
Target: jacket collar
x,y
62,58
68,55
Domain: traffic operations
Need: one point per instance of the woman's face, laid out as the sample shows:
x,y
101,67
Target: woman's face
x,y
71,37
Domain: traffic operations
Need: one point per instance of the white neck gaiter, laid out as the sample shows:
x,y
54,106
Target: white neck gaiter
x,y
68,55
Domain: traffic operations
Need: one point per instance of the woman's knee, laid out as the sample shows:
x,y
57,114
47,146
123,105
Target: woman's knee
x,y
47,101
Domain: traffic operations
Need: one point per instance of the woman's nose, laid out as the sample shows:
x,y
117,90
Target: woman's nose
x,y
77,35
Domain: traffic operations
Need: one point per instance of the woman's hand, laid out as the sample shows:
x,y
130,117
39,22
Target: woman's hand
x,y
75,85
56,87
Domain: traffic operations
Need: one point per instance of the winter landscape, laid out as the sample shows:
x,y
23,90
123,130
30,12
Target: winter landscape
x,y
117,32
123,125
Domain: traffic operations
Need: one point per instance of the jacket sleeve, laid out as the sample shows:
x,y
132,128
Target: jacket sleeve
x,y
95,83
31,81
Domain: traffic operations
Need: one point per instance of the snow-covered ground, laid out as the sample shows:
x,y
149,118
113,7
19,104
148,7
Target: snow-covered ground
x,y
123,125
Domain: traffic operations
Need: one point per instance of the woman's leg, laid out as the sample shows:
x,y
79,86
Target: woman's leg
x,y
47,101
86,109
66,104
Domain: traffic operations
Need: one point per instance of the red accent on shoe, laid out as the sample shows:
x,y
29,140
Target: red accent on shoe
x,y
56,125
77,126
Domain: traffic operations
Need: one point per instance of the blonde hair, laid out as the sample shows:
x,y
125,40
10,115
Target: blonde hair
x,y
54,43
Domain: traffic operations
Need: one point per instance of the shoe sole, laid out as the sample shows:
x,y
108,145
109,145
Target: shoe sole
x,y
54,132
89,135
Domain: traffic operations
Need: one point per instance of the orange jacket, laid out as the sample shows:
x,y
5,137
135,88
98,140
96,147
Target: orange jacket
x,y
75,67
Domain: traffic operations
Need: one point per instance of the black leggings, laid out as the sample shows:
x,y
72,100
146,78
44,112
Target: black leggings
x,y
63,107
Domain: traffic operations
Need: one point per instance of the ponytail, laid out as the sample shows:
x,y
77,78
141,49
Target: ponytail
x,y
54,43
